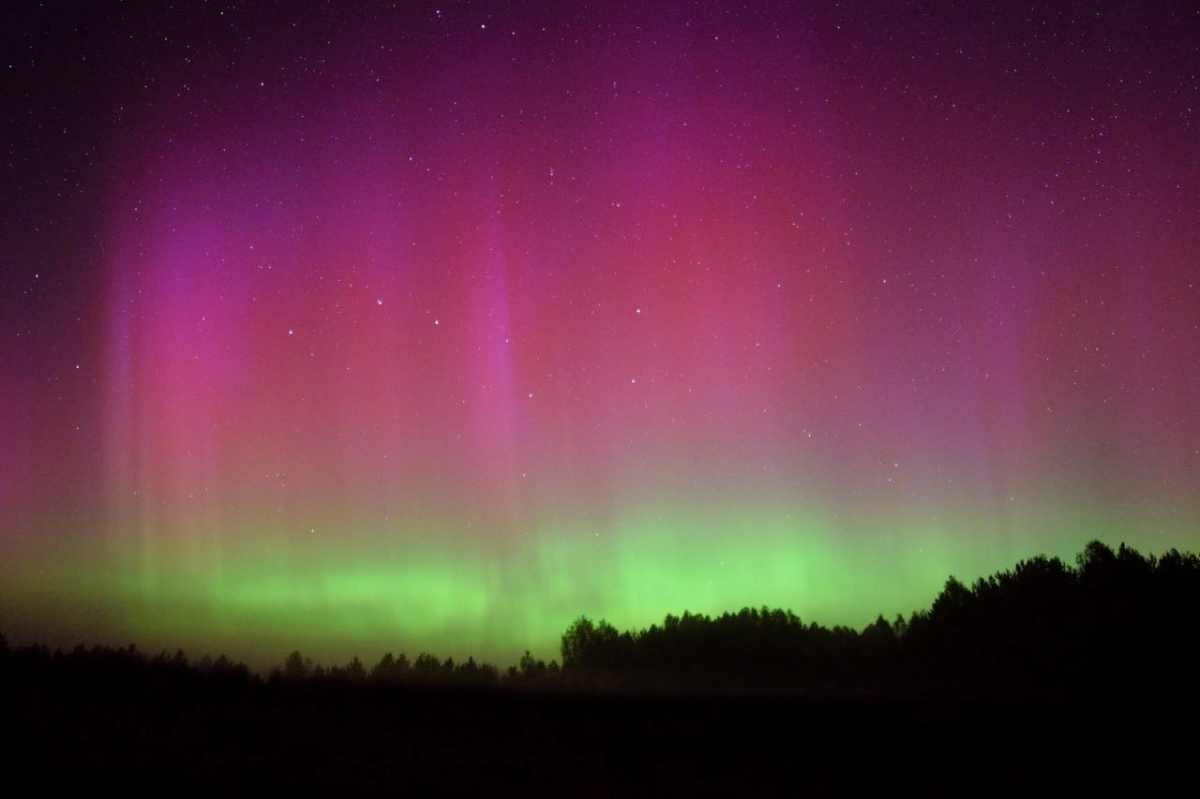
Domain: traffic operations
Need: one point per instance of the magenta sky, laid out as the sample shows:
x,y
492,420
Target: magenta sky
x,y
469,284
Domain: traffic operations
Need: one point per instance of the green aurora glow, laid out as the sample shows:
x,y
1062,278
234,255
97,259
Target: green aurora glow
x,y
367,327
258,602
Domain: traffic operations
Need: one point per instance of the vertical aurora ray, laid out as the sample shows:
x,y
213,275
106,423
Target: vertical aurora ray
x,y
433,331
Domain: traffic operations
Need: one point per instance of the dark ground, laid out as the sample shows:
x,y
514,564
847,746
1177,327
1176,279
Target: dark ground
x,y
335,740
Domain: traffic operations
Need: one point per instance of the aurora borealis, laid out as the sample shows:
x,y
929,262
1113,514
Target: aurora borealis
x,y
356,328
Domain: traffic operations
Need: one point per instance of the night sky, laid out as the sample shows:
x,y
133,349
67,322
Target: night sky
x,y
353,328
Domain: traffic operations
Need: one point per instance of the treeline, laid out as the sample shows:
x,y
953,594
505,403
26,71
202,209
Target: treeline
x,y
426,669
1117,622
130,665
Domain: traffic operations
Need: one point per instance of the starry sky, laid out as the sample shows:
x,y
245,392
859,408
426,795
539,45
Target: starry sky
x,y
355,327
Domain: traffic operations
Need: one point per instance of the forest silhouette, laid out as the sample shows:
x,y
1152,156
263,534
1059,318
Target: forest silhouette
x,y
1059,651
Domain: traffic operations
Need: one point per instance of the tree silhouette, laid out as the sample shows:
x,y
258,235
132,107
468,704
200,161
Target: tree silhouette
x,y
296,667
391,668
427,667
1117,625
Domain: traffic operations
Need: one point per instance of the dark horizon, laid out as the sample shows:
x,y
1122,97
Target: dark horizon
x,y
1043,678
1039,620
